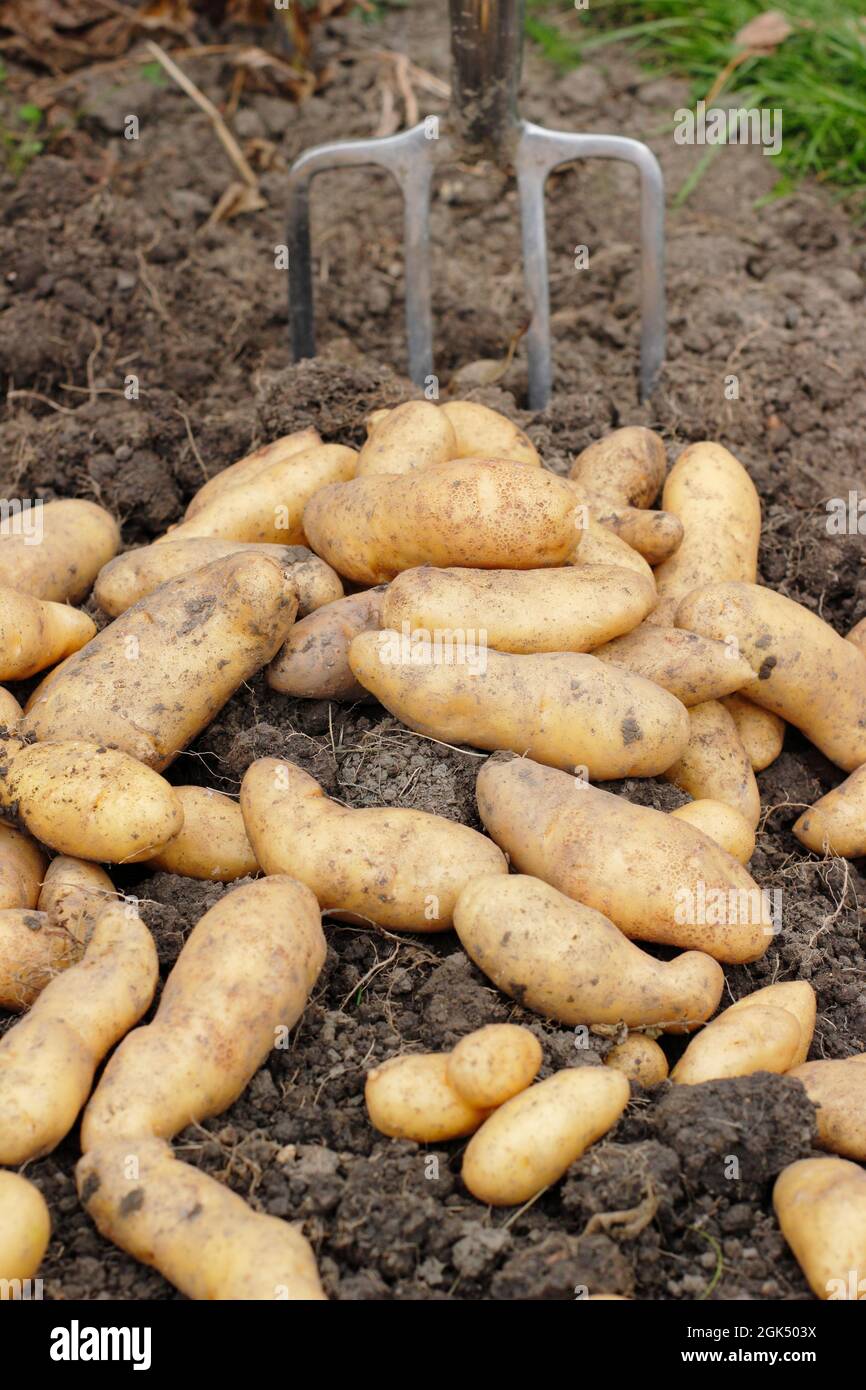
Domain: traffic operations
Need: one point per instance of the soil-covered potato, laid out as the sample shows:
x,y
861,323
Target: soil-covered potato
x,y
838,1089
762,733
625,468
714,764
412,435
492,1064
411,1097
313,663
690,667
836,824
821,1207
212,842
73,893
35,634
25,1227
77,539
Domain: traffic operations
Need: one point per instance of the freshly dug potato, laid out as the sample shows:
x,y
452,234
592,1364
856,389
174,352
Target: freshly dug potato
x,y
722,823
35,634
838,1089
857,635
78,538
493,1064
716,501
212,843
568,962
91,802
523,611
399,868
11,712
74,893
762,733
640,1059
144,1200
22,869
25,1227
313,663
654,535
412,435
761,1038
49,1059
836,824
798,997
599,546
803,670
530,1141
563,708
484,433
33,949
156,676
625,468
690,667
655,877
489,515
247,469
821,1207
134,575
714,764
240,983
411,1097
269,505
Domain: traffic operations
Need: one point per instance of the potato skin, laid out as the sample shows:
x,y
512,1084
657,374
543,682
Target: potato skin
x,y
74,893
488,514
803,670
410,1097
640,1059
493,1064
625,468
25,1227
522,611
212,843
399,868
35,634
11,712
563,708
313,662
692,668
797,997
722,823
760,1038
530,1141
247,469
415,434
22,868
32,951
762,733
643,869
836,824
820,1204
78,538
484,433
838,1089
857,635
714,763
654,535
568,962
597,545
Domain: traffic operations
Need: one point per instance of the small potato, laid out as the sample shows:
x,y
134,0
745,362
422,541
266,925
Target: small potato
x,y
798,997
803,670
568,962
563,708
411,1097
821,1207
78,538
247,469
399,868
531,1140
836,824
521,611
11,712
722,823
484,433
489,515
35,634
654,535
761,1038
640,1059
714,763
493,1064
762,733
625,468
313,663
74,893
212,843
412,435
692,668
838,1089
597,545
25,1229
22,868
33,950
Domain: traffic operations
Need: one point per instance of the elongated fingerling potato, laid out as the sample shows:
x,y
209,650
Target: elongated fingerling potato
x,y
247,469
212,842
25,1228
821,1207
412,435
838,1090
490,1065
714,764
762,733
35,634
836,824
722,823
22,868
691,667
410,1097
57,550
313,663
484,433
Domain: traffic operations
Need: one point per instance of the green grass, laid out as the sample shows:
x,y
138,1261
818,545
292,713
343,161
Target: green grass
x,y
817,76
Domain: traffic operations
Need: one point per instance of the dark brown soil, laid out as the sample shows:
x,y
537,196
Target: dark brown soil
x,y
111,270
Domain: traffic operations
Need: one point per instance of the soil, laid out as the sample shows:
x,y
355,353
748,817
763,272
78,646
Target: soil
x,y
110,269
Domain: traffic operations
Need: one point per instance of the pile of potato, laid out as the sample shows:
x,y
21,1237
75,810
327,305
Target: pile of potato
x,y
561,624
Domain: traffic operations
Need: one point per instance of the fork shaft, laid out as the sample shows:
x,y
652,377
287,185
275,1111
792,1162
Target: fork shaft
x,y
486,55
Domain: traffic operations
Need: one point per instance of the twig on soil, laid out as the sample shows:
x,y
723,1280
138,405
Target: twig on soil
x,y
37,396
92,356
365,979
144,276
192,444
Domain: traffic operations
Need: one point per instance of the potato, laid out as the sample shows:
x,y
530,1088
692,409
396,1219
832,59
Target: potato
x,y
597,545
836,824
143,1200
563,708
22,869
410,1097
655,877
803,670
212,843
640,1059
268,506
798,997
313,663
654,535
25,1228
11,712
91,802
78,538
838,1089
722,823
399,868
821,1207
49,1059
522,611
530,1141
155,677
35,634
762,733
247,469
568,962
134,575
714,763
74,893
412,435
625,468
484,433
857,635
759,1039
716,501
240,983
32,950
493,1064
488,515
690,667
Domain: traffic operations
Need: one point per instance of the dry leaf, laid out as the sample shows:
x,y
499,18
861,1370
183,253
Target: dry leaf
x,y
238,198
764,33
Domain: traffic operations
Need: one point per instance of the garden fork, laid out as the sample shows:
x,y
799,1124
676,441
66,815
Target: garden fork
x,y
486,46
